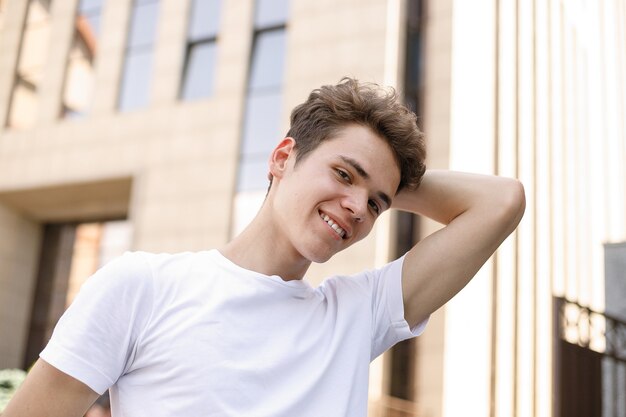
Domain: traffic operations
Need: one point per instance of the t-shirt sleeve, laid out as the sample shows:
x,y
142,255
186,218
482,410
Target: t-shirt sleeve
x,y
388,323
94,340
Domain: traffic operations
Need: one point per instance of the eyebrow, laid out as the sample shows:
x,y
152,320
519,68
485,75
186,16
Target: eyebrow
x,y
359,169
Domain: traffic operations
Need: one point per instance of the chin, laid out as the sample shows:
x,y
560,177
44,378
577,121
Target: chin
x,y
321,259
318,257
320,252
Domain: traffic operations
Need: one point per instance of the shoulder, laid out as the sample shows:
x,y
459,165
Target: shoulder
x,y
140,264
368,281
137,271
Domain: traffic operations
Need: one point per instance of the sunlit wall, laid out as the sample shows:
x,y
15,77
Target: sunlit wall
x,y
537,93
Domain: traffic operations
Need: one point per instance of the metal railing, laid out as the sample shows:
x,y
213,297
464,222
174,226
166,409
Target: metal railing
x,y
590,362
591,329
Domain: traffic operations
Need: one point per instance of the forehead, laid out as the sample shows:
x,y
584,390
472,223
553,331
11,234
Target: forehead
x,y
371,152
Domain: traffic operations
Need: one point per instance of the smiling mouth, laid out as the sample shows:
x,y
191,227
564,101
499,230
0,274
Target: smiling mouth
x,y
340,232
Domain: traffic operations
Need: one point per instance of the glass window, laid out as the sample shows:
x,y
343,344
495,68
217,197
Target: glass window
x,y
261,130
262,124
253,173
137,73
92,21
199,71
267,65
136,81
204,19
271,13
80,71
89,5
143,25
201,50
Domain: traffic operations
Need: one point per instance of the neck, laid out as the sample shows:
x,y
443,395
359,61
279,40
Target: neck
x,y
262,248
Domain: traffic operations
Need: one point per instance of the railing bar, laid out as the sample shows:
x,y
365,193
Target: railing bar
x,y
582,307
615,387
613,333
620,389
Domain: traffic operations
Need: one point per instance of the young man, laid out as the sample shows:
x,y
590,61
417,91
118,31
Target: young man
x,y
236,331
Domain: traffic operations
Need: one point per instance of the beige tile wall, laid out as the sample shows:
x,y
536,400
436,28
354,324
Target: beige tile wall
x,y
19,249
329,40
181,156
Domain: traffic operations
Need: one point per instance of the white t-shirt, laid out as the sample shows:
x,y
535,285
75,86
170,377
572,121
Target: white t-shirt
x,y
193,334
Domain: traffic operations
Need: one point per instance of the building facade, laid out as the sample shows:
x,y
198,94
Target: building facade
x,y
146,124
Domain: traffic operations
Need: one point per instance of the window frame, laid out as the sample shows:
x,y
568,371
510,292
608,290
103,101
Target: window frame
x,y
137,49
192,42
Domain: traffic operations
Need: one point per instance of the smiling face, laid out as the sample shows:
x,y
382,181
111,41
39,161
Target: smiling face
x,y
330,199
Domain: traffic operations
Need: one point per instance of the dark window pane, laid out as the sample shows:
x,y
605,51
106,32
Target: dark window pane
x,y
271,13
143,25
253,173
262,123
268,60
198,81
204,19
136,81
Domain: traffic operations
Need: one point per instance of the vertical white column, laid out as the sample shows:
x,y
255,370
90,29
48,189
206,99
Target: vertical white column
x,y
467,366
526,230
581,166
595,146
556,149
570,210
506,256
616,170
543,290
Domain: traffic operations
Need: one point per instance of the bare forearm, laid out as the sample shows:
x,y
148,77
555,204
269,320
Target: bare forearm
x,y
49,392
444,195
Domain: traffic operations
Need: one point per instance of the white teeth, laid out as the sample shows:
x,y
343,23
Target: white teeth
x,y
333,225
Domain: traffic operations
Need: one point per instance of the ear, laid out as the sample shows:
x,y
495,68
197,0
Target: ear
x,y
280,156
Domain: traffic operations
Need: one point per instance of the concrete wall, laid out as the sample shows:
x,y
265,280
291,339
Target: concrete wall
x,y
19,251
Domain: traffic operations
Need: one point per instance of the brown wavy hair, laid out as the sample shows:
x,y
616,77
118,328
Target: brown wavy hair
x,y
331,107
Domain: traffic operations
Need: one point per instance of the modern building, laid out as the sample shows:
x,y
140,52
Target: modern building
x,y
146,124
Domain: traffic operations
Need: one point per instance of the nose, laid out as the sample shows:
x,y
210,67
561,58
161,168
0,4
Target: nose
x,y
356,204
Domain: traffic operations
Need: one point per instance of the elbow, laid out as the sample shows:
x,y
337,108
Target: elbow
x,y
514,201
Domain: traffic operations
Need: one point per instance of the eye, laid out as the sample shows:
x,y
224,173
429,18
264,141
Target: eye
x,y
343,175
375,207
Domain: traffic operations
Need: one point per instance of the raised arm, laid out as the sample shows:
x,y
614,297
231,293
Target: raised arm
x,y
48,392
478,211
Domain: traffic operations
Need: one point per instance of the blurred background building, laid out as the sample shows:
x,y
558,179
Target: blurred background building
x,y
146,124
